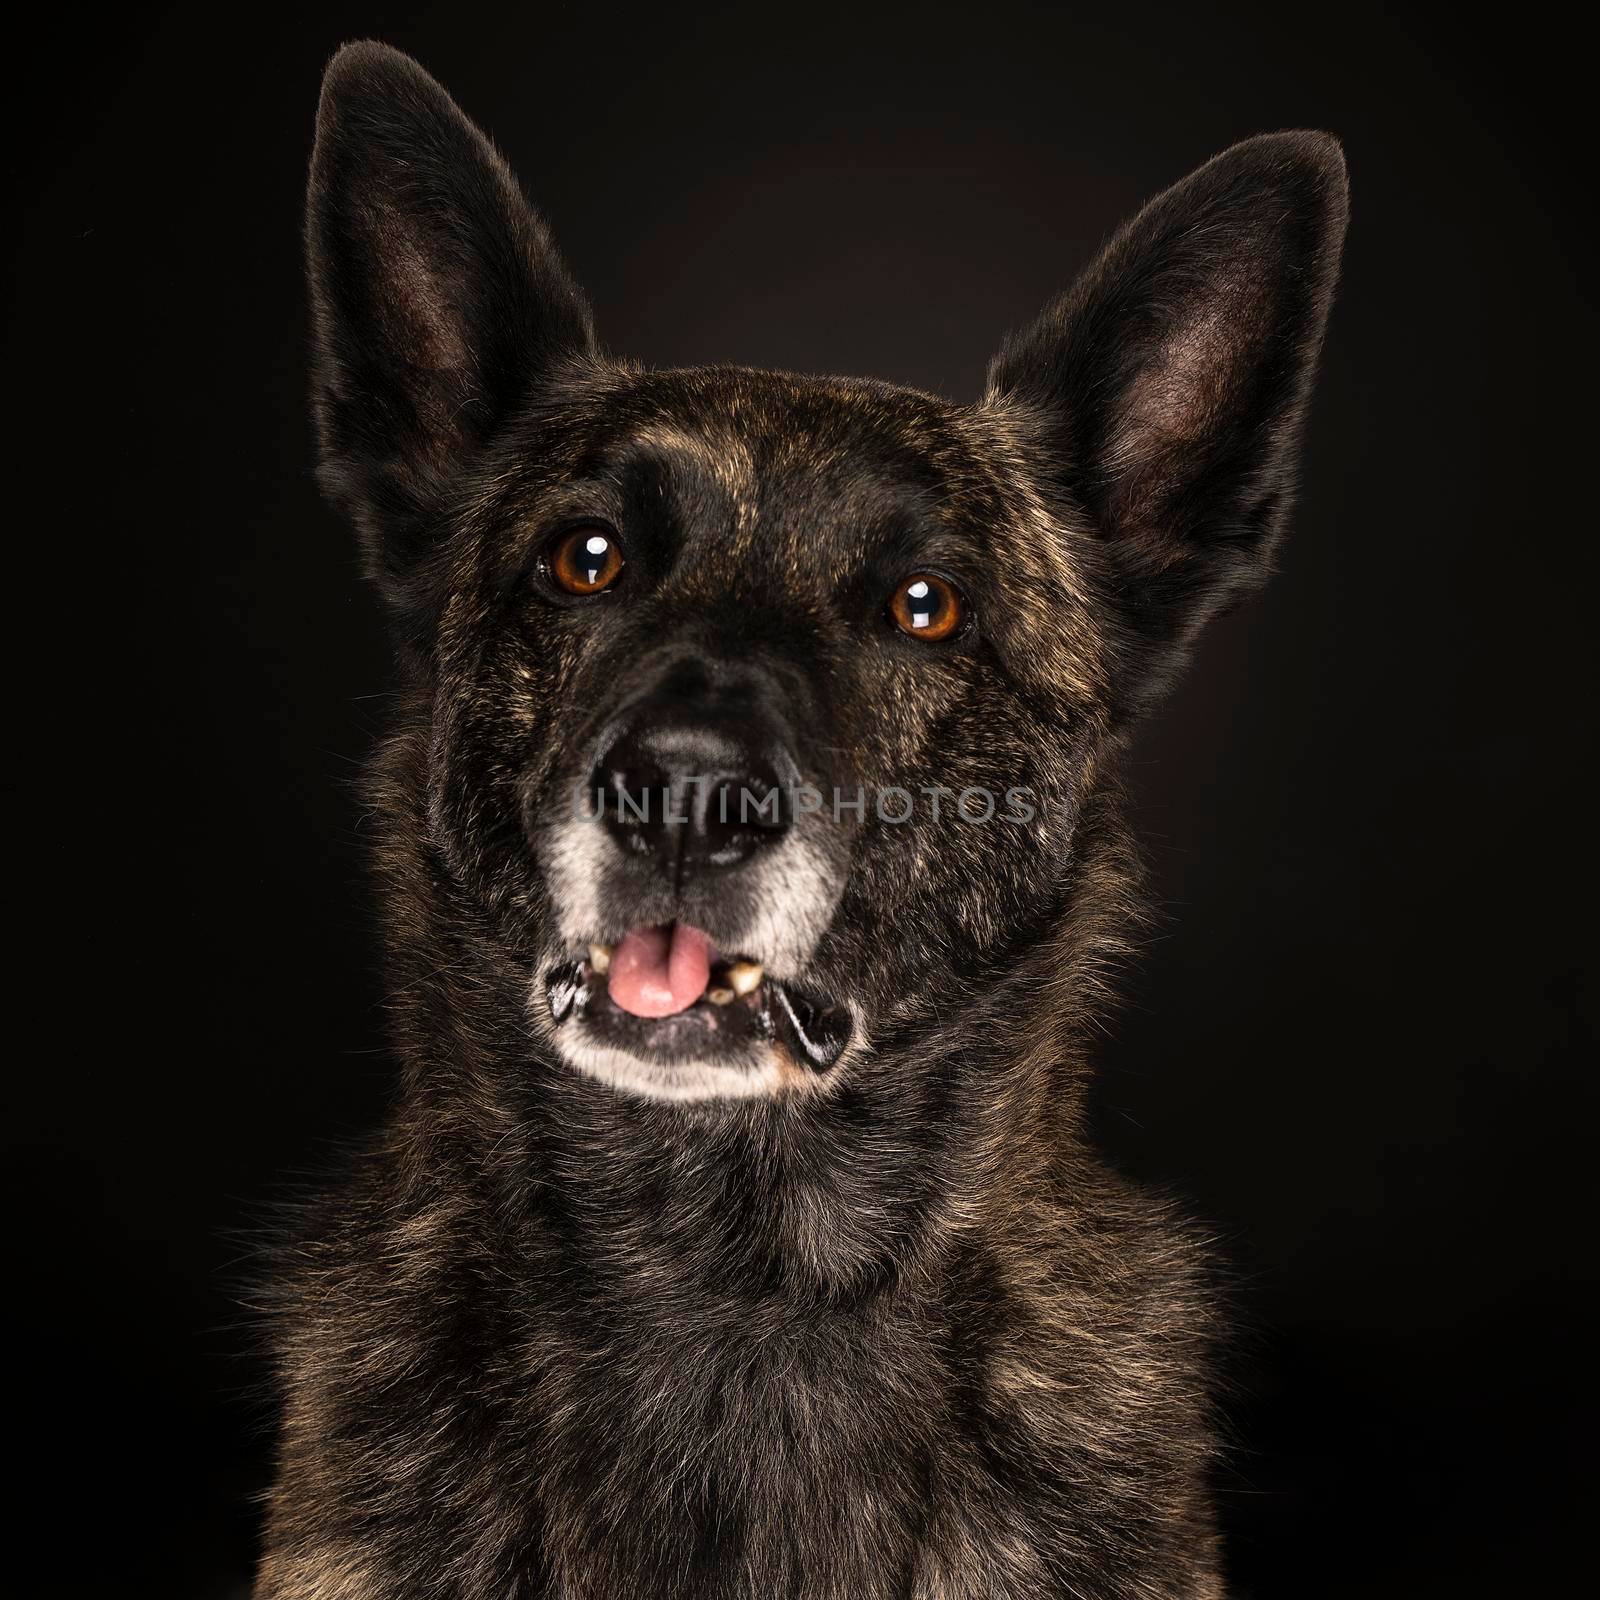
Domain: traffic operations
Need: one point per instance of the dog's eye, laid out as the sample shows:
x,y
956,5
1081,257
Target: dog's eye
x,y
926,606
584,560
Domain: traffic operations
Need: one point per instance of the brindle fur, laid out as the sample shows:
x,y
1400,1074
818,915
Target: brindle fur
x,y
892,1331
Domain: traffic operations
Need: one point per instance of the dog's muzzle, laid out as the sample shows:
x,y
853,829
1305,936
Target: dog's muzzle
x,y
692,893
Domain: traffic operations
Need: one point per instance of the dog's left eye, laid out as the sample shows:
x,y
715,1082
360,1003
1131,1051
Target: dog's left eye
x,y
584,560
926,606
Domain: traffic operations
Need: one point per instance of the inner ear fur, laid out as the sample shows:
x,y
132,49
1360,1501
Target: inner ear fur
x,y
438,300
1166,389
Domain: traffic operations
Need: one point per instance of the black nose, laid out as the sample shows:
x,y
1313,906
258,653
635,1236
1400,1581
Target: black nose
x,y
690,781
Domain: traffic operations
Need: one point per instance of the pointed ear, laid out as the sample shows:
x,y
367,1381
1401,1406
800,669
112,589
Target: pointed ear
x,y
438,300
1166,388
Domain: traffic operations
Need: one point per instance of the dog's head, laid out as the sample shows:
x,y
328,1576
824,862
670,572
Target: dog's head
x,y
762,708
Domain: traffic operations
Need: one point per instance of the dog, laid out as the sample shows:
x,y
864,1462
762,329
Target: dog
x,y
754,882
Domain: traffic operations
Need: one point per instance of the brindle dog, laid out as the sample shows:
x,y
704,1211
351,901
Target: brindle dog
x,y
736,1233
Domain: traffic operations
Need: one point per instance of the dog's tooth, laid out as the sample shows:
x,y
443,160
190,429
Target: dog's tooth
x,y
720,997
600,957
743,976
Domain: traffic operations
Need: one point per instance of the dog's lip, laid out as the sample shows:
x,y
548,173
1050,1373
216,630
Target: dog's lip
x,y
813,1026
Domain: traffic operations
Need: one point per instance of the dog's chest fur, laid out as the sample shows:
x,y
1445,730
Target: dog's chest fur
x,y
497,1413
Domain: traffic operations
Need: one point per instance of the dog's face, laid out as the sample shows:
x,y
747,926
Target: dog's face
x,y
756,672
762,707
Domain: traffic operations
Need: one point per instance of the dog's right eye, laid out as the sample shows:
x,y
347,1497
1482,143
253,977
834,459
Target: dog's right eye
x,y
584,560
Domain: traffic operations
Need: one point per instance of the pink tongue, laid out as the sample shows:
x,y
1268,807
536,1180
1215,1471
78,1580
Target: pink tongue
x,y
658,972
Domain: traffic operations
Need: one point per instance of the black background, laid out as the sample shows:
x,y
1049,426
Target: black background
x,y
1361,1044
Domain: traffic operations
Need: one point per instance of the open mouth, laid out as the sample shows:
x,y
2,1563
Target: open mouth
x,y
665,993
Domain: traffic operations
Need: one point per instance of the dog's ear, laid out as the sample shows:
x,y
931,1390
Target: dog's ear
x,y
438,300
1165,390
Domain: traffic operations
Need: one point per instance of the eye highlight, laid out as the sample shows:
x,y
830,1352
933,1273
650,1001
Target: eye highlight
x,y
926,606
584,560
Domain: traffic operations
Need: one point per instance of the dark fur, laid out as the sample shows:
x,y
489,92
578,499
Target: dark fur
x,y
898,1332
